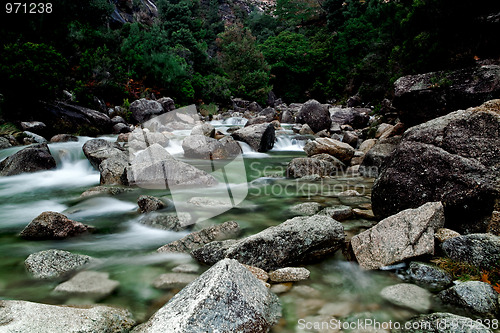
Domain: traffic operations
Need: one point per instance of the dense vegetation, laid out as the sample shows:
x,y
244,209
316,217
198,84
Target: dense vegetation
x,y
323,49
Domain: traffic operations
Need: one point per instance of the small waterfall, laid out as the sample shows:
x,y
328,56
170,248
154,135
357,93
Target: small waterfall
x,y
235,121
287,143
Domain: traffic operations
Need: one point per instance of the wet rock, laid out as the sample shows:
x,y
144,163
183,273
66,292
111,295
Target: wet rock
x,y
64,138
315,115
88,284
174,280
197,239
31,159
440,322
478,297
114,171
355,117
167,221
422,97
52,264
301,167
429,276
260,137
31,137
289,274
409,296
293,242
226,298
340,150
205,129
148,203
407,234
454,159
21,316
375,158
306,208
339,212
143,109
52,225
481,250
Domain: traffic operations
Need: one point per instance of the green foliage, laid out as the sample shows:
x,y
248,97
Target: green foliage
x,y
9,129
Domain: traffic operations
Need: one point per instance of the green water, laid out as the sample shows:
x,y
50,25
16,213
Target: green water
x,y
127,248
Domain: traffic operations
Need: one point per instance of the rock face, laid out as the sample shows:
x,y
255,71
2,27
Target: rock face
x,y
52,264
337,149
440,322
143,109
226,298
407,234
88,284
295,241
301,166
31,159
374,159
454,159
52,225
475,296
409,296
66,118
260,137
481,250
21,316
315,115
197,239
422,97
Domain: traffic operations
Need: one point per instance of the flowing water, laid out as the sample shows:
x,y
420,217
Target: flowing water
x,y
336,288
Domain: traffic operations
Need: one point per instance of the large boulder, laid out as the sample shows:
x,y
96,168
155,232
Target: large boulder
x,y
407,234
203,147
143,109
315,115
291,243
66,118
480,250
31,159
52,225
474,296
227,298
260,137
53,264
454,159
21,316
109,158
337,149
374,159
355,117
422,97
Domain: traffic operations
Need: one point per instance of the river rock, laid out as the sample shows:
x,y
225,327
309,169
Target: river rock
x,y
148,203
30,137
256,120
167,221
478,297
302,166
481,250
289,274
205,129
422,97
167,103
203,147
355,117
407,234
64,138
374,159
227,298
174,280
4,143
121,128
315,115
114,171
295,241
260,137
454,159
339,212
118,120
257,272
52,225
337,149
21,316
30,159
409,296
37,127
440,322
306,208
88,284
306,130
143,109
52,264
105,190
287,117
366,145
443,234
197,239
98,150
429,276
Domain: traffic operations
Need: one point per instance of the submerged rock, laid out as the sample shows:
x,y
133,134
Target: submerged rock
x,y
407,234
21,316
88,284
31,159
295,241
51,264
197,239
227,298
409,296
306,208
52,225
